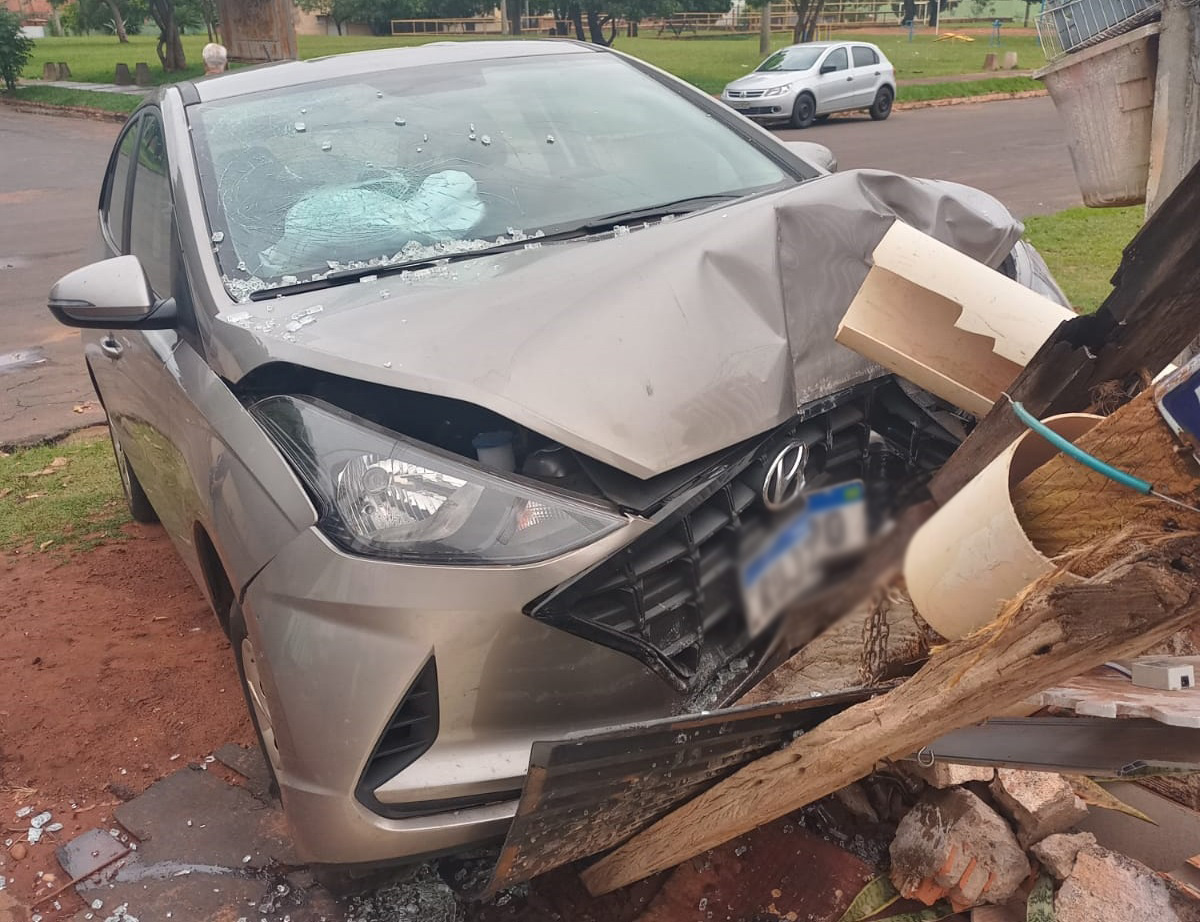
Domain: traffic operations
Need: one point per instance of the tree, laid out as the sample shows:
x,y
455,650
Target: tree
x,y
808,16
170,45
55,18
15,49
118,20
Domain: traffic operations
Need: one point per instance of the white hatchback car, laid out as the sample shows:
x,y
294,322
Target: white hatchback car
x,y
807,83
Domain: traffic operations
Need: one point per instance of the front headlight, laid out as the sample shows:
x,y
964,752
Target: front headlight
x,y
383,495
778,90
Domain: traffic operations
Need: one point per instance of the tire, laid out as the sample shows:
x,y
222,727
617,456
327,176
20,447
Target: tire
x,y
804,112
250,678
881,108
824,118
140,509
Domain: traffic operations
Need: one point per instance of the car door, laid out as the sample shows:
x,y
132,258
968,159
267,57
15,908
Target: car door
x,y
835,81
868,74
128,365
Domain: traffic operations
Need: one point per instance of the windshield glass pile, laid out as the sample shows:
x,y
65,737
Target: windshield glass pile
x,y
792,59
423,162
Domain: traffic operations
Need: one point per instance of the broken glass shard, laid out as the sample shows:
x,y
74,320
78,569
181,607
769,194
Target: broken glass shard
x,y
326,145
486,140
301,127
217,237
400,121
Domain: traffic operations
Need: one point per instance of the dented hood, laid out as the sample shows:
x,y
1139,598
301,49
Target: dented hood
x,y
647,349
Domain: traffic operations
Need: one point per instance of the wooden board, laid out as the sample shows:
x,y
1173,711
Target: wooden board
x,y
1107,693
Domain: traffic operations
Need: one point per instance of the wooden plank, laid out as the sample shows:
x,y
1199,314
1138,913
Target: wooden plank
x,y
1055,631
1148,319
1110,694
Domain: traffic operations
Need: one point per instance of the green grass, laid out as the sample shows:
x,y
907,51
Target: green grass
x,y
708,62
57,96
1082,247
72,503
967,88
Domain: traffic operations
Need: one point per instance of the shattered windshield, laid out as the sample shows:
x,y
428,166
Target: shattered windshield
x,y
791,59
411,163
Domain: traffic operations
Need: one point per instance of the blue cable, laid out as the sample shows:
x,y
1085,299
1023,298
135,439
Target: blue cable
x,y
1076,453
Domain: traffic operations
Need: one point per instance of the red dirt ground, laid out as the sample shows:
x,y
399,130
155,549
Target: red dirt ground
x,y
111,662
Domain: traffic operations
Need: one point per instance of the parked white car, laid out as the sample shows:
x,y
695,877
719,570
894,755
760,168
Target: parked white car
x,y
806,83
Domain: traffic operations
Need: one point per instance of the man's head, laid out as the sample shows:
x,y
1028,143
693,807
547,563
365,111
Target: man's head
x,y
215,58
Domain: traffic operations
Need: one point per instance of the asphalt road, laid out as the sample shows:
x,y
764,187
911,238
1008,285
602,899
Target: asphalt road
x,y
50,177
50,170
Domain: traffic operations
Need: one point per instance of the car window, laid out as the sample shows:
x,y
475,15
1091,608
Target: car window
x,y
837,59
116,183
798,58
150,227
865,57
414,162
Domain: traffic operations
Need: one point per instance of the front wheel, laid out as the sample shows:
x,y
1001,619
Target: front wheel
x,y
881,108
804,112
140,509
246,659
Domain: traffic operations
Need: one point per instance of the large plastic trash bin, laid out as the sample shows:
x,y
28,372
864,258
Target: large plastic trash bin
x,y
1105,95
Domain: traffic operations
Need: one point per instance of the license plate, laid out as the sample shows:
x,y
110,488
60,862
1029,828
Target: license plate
x,y
833,523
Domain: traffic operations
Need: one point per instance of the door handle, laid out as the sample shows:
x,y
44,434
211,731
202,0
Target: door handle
x,y
110,347
848,79
876,73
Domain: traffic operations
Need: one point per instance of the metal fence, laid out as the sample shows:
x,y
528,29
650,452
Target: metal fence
x,y
1076,24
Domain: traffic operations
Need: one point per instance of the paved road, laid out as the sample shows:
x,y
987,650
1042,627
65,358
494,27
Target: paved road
x,y
1015,149
52,167
48,188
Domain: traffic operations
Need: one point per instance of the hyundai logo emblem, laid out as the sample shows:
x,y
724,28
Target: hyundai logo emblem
x,y
785,477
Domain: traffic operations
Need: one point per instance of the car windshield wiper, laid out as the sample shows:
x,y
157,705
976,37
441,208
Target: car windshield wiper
x,y
593,226
653,212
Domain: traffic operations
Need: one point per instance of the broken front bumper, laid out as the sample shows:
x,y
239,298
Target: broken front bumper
x,y
342,642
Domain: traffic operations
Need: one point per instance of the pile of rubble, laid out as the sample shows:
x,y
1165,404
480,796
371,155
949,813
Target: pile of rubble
x,y
980,838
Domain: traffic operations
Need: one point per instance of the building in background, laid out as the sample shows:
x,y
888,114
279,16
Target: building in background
x,y
35,15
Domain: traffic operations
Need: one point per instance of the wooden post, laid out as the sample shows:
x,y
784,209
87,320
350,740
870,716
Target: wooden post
x,y
1053,632
1175,131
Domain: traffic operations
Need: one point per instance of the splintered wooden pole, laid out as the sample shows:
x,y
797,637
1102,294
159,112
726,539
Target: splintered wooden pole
x,y
1063,504
1055,631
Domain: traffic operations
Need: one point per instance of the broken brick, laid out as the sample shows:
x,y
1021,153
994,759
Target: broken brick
x,y
1057,853
942,775
1107,887
952,845
1040,803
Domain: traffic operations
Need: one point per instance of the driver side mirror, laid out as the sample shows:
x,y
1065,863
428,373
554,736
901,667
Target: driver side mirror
x,y
818,155
111,294
828,68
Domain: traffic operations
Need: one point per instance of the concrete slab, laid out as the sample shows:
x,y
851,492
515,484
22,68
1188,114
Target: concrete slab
x,y
193,818
248,762
90,852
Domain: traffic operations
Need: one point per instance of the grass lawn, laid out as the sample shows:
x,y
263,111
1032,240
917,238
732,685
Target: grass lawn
x,y
707,62
67,494
57,96
1083,246
967,88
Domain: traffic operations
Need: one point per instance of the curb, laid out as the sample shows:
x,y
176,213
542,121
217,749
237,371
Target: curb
x,y
38,108
964,100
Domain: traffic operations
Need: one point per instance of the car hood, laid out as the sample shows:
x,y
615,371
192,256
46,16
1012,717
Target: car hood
x,y
766,79
645,350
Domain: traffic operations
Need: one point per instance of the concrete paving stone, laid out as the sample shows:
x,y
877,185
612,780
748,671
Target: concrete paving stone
x,y
248,762
89,852
226,824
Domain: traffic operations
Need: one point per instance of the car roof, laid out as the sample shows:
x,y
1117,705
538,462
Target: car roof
x,y
314,70
837,44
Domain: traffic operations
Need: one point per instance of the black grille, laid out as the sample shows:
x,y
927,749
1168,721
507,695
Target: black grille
x,y
410,732
672,598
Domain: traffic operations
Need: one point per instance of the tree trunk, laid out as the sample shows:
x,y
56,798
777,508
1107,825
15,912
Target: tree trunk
x,y
170,44
1053,632
596,23
764,30
118,21
577,19
799,6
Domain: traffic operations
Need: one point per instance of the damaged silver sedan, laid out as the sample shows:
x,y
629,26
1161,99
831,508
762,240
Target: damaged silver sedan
x,y
490,392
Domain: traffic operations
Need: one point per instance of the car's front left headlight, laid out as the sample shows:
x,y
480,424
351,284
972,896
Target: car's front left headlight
x,y
383,495
778,90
